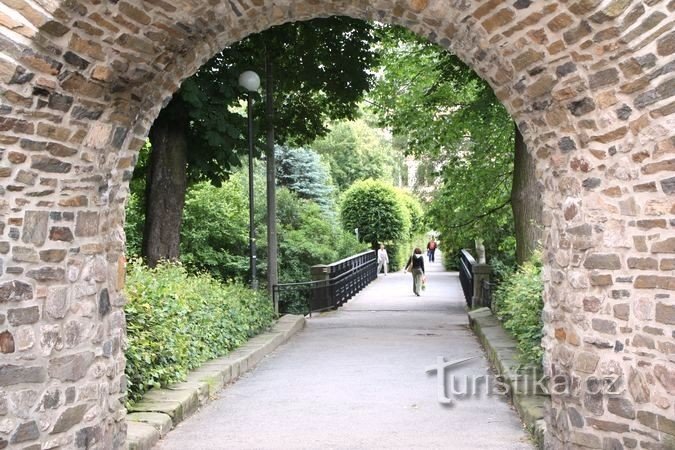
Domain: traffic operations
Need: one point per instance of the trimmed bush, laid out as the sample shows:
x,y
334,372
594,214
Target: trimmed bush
x,y
177,321
519,305
376,210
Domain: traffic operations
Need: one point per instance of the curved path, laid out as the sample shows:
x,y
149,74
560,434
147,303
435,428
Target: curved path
x,y
356,379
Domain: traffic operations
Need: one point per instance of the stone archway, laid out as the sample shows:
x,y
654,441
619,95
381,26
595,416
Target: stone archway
x,y
590,83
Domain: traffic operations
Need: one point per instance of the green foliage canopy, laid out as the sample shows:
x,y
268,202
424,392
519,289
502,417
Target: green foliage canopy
x,y
452,120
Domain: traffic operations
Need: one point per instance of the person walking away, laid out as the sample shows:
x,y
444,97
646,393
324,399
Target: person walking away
x,y
382,260
431,250
416,266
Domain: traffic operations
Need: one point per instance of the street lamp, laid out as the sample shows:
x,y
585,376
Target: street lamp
x,y
250,81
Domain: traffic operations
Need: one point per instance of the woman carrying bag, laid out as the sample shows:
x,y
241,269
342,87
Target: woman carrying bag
x,y
416,266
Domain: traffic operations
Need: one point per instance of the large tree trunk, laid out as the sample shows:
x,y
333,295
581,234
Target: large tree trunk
x,y
165,188
272,253
526,201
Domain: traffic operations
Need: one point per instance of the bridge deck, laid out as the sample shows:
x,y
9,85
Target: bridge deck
x,y
355,379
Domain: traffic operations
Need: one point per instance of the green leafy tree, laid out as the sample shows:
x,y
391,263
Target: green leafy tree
x,y
201,132
375,208
452,120
355,150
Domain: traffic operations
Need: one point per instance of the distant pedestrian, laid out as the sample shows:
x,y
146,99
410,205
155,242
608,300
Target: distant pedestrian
x,y
431,250
382,260
416,266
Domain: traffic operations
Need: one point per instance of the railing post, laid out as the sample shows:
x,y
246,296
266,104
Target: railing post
x,y
320,272
480,272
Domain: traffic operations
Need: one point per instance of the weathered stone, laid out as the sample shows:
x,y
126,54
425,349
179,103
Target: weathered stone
x,y
601,280
25,254
651,282
586,362
71,368
640,340
643,263
656,422
47,274
603,261
49,165
666,377
605,425
6,342
15,291
621,407
61,234
592,304
11,374
35,227
638,386
87,224
56,305
69,418
604,326
25,432
23,316
665,246
88,437
604,78
103,303
622,311
51,399
53,255
665,313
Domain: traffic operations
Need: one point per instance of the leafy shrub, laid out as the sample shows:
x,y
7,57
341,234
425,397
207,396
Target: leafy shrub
x,y
519,305
376,210
307,237
214,234
177,321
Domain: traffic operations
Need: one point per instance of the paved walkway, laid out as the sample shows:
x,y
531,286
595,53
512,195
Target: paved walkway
x,y
355,379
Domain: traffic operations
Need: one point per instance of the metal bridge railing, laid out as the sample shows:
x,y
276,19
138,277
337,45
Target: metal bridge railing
x,y
466,263
341,281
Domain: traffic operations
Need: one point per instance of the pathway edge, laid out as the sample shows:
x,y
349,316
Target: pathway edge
x,y
502,351
160,410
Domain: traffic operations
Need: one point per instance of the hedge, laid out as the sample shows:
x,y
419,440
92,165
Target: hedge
x,y
177,321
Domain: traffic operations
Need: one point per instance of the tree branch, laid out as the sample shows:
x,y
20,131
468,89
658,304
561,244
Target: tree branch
x,y
479,217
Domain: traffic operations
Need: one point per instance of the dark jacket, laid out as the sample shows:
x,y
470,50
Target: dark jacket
x,y
415,262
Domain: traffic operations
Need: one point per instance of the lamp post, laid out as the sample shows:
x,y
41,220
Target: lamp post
x,y
250,81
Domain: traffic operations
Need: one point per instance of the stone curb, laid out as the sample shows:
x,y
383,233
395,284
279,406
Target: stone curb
x,y
502,352
160,410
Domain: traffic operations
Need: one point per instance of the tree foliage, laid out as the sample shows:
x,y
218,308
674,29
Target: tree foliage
x,y
452,120
374,207
302,171
356,151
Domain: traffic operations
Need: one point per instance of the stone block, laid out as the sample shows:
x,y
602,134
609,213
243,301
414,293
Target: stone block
x,y
141,436
12,374
187,401
161,422
665,313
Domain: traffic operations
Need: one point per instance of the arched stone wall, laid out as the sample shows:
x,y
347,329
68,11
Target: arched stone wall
x,y
590,83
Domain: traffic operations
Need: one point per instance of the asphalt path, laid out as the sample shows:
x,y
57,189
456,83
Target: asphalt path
x,y
363,377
